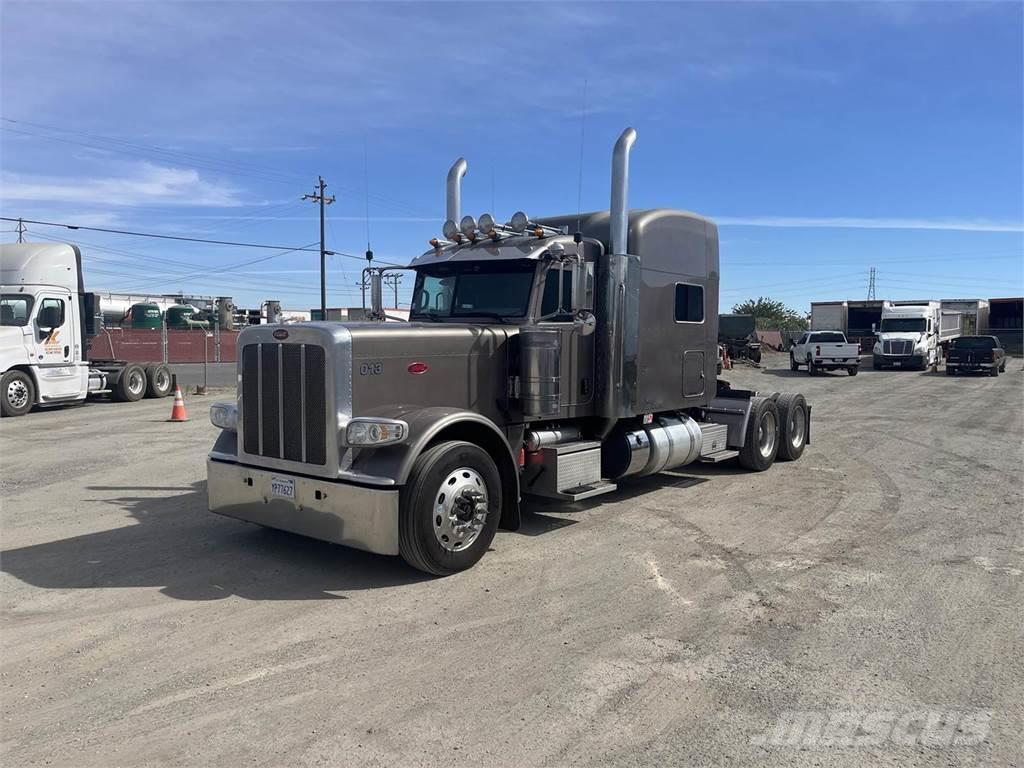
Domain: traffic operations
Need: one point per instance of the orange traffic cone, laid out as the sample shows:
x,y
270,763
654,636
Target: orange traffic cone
x,y
178,412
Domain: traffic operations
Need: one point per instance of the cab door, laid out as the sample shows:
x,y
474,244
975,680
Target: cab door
x,y
55,347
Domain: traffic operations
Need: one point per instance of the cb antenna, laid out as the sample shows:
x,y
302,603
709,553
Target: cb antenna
x,y
579,183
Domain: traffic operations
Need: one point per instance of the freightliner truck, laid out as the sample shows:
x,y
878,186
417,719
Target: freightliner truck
x,y
46,322
536,363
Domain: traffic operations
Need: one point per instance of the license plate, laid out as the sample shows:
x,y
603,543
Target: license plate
x,y
282,487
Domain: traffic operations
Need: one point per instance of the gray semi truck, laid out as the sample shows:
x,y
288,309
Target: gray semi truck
x,y
536,363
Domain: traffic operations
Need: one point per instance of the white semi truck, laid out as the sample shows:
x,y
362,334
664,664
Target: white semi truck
x,y
914,334
46,322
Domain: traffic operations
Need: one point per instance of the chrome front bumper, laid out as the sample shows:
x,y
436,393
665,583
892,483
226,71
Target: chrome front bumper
x,y
363,518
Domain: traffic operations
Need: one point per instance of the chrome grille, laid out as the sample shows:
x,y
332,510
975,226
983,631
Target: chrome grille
x,y
284,402
898,347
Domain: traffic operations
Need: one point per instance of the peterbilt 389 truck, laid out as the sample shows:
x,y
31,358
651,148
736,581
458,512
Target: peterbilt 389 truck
x,y
536,363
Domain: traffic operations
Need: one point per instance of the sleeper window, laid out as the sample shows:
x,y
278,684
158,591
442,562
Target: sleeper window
x,y
689,303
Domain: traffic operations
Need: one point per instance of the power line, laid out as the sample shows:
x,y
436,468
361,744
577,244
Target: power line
x,y
161,237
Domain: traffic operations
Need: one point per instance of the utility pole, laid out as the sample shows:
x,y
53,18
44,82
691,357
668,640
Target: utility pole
x,y
393,280
871,285
319,197
21,231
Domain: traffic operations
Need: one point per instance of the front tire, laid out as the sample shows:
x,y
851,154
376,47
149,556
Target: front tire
x,y
792,363
17,393
761,445
994,370
131,385
450,509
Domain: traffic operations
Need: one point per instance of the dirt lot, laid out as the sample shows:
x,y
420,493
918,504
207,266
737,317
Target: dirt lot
x,y
684,620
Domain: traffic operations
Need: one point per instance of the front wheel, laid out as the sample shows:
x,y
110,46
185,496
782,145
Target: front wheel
x,y
762,438
792,363
17,393
450,509
994,370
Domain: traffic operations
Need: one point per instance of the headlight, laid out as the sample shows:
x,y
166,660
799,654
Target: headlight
x,y
224,415
368,431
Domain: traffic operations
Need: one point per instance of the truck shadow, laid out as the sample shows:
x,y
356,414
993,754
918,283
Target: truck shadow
x,y
538,519
175,544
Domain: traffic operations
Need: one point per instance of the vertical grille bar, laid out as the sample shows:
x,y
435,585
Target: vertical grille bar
x,y
250,401
315,401
291,406
269,394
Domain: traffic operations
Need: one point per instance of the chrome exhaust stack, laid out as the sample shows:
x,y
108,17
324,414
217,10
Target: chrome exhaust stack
x,y
617,331
453,196
619,223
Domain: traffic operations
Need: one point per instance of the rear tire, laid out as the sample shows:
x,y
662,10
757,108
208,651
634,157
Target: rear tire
x,y
755,355
158,380
762,438
131,385
792,426
852,370
17,393
435,524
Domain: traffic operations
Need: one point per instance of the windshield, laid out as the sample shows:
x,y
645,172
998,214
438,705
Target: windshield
x,y
468,289
15,309
825,338
974,342
903,324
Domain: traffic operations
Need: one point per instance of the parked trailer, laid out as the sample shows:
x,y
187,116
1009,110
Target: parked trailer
x,y
973,314
828,316
46,322
537,362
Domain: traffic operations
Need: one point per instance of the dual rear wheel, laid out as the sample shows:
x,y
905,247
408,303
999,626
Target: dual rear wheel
x,y
776,429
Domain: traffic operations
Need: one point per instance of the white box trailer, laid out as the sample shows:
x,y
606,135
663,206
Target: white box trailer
x,y
974,314
828,316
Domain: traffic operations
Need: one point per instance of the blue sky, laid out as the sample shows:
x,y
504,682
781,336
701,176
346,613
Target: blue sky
x,y
823,138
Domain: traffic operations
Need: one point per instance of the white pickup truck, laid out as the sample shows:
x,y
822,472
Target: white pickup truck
x,y
824,351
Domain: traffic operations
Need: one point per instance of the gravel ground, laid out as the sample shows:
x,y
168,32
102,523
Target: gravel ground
x,y
706,616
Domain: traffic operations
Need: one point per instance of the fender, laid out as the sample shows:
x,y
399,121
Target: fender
x,y
431,425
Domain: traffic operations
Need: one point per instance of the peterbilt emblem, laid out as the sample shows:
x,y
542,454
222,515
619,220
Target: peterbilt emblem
x,y
280,334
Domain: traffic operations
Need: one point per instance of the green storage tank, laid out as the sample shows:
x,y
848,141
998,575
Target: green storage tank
x,y
145,315
180,315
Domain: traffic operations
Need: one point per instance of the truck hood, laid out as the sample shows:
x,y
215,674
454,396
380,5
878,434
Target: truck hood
x,y
429,364
13,350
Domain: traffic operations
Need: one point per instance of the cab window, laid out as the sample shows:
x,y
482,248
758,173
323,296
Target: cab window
x,y
689,303
549,304
51,304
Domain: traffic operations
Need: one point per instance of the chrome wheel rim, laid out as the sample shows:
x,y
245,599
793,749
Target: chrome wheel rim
x,y
163,380
136,382
460,509
797,427
17,394
766,434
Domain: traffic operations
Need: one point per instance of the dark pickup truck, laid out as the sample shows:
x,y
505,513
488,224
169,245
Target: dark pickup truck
x,y
976,353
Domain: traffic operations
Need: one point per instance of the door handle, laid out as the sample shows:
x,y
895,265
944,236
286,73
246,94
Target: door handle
x,y
67,350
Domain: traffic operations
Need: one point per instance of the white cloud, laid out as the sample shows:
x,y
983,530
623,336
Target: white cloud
x,y
143,184
850,222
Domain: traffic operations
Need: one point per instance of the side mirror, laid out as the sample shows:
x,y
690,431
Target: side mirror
x,y
376,295
873,328
50,317
579,284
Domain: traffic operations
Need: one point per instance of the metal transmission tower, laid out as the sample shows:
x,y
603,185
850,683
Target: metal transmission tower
x,y
393,280
21,231
318,197
871,285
